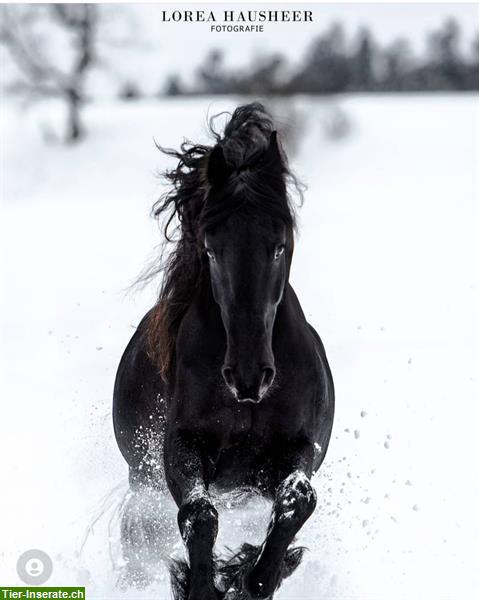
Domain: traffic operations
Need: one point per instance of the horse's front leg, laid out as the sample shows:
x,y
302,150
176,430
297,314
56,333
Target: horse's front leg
x,y
295,501
197,517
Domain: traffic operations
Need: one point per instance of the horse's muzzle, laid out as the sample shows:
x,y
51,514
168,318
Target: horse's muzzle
x,y
251,387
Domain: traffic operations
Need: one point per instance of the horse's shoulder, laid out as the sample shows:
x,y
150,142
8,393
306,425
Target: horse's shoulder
x,y
135,353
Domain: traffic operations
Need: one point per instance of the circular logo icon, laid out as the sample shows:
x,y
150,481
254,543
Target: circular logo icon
x,y
34,567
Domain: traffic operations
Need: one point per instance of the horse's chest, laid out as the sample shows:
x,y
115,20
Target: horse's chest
x,y
234,459
236,422
252,424
243,422
244,434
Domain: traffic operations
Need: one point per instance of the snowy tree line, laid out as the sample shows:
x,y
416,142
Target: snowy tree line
x,y
53,49
333,64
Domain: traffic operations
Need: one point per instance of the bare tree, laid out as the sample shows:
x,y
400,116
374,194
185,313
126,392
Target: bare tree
x,y
41,76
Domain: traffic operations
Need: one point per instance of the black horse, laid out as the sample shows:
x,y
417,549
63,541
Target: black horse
x,y
224,381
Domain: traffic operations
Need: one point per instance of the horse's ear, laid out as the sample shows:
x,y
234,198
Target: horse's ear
x,y
218,170
273,154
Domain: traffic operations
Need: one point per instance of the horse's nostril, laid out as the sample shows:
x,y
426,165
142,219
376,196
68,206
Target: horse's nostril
x,y
227,373
250,385
268,376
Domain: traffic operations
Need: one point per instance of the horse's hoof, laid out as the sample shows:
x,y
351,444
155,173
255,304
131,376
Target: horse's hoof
x,y
255,588
184,589
208,594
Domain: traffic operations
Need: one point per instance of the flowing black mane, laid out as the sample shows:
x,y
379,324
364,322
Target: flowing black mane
x,y
253,184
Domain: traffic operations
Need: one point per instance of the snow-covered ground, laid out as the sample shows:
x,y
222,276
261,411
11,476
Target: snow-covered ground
x,y
384,266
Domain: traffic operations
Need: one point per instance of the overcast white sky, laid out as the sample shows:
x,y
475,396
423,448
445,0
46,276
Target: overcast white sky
x,y
179,47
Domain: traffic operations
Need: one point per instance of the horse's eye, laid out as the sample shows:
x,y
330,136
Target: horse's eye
x,y
210,254
279,251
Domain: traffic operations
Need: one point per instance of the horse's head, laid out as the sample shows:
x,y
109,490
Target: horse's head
x,y
248,243
236,235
